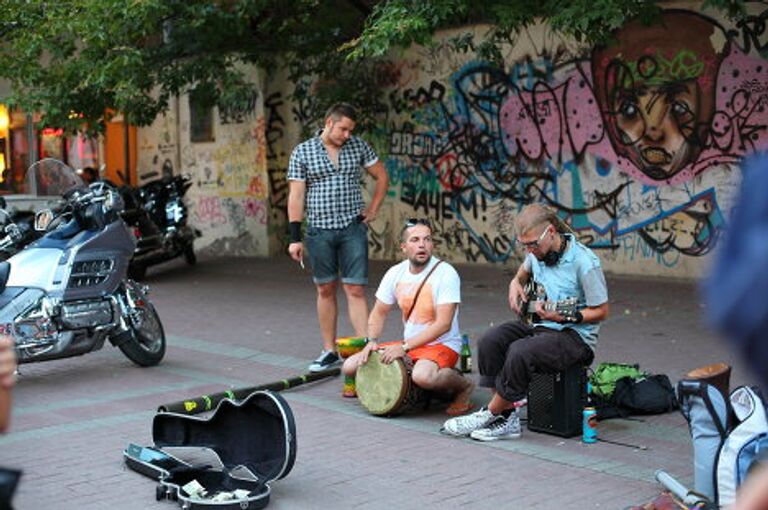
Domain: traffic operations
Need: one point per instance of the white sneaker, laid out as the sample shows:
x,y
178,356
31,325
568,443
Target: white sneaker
x,y
499,428
463,425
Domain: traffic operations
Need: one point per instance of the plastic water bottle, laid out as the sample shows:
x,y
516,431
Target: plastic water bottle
x,y
465,355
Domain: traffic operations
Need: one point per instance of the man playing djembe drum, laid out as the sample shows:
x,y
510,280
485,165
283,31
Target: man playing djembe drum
x,y
428,293
510,353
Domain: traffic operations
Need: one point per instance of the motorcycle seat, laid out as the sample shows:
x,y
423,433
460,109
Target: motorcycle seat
x,y
5,272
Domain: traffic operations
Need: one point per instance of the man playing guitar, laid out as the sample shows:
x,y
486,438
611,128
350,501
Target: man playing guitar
x,y
509,354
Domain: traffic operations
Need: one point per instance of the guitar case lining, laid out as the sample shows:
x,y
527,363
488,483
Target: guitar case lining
x,y
254,440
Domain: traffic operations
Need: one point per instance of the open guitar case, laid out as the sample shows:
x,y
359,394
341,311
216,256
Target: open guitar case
x,y
254,440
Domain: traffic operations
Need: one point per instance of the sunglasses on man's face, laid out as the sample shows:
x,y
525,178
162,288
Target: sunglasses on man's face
x,y
412,222
532,245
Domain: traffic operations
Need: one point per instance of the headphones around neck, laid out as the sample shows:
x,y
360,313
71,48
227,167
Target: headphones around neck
x,y
553,257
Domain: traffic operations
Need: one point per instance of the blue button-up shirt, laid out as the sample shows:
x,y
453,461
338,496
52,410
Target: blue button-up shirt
x,y
577,274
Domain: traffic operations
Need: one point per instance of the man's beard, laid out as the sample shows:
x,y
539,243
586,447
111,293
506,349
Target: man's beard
x,y
418,263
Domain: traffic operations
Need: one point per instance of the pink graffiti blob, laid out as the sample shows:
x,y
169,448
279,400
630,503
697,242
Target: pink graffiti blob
x,y
740,124
585,125
564,122
557,123
518,124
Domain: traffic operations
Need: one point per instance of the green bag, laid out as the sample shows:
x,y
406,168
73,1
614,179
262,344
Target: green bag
x,y
603,379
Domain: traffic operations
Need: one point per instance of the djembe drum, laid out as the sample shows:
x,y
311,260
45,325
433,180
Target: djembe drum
x,y
346,347
717,374
388,390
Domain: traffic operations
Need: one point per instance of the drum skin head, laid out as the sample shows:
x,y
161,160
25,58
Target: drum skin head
x,y
381,388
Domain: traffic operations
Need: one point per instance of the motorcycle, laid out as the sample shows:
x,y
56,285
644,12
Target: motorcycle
x,y
167,235
23,221
67,292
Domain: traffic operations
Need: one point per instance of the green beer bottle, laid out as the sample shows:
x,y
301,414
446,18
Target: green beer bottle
x,y
465,355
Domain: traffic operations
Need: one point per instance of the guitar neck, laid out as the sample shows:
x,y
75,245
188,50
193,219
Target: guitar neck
x,y
566,307
550,306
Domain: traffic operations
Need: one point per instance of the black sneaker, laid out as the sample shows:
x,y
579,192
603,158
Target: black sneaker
x,y
326,361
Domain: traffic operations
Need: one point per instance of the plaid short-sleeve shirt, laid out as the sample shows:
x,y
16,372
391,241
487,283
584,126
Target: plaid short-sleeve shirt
x,y
334,198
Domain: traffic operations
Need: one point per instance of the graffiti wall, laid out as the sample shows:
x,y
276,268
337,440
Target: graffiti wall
x,y
281,131
158,147
229,200
638,146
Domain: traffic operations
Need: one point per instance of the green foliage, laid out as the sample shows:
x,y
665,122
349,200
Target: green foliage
x,y
734,9
76,60
404,22
327,79
592,21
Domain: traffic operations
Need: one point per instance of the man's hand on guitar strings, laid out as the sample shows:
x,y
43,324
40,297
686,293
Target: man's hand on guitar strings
x,y
547,313
517,296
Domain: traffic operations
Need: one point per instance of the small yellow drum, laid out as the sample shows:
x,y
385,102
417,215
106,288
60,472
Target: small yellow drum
x,y
347,346
387,390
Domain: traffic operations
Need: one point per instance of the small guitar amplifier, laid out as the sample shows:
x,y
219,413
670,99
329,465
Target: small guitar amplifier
x,y
556,401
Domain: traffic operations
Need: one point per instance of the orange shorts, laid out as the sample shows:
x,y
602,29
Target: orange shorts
x,y
444,356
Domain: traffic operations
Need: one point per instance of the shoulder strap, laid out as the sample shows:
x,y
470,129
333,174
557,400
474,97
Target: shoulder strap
x,y
418,291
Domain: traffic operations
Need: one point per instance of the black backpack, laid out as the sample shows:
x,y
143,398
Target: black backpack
x,y
652,394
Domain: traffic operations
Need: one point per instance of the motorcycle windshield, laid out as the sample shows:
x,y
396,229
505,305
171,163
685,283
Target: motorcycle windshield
x,y
51,177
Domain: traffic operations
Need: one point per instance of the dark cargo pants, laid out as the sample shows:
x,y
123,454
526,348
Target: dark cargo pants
x,y
510,353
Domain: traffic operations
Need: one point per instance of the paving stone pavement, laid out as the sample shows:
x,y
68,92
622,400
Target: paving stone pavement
x,y
235,322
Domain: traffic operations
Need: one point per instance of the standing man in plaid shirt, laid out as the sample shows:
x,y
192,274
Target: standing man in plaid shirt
x,y
326,172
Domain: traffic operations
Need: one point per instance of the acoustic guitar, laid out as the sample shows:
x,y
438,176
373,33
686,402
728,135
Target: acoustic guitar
x,y
535,292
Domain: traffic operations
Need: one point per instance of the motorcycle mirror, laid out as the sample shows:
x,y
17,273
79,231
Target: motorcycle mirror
x,y
43,219
113,201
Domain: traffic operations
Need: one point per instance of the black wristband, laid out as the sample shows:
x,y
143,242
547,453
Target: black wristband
x,y
294,228
578,317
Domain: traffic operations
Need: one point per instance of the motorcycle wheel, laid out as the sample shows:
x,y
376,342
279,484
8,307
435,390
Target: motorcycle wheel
x,y
189,255
147,347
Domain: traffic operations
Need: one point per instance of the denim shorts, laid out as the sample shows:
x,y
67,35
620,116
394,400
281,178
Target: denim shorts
x,y
339,252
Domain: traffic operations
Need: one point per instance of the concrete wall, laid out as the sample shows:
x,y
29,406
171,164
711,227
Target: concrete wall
x,y
229,199
639,148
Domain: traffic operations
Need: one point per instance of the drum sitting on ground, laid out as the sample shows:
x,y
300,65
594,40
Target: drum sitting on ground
x,y
388,390
717,374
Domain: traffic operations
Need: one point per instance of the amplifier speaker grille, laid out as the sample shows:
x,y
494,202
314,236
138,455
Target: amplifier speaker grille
x,y
556,402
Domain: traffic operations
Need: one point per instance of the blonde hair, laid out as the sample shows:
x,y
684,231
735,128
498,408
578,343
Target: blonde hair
x,y
533,215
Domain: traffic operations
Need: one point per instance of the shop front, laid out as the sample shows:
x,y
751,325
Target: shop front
x,y
22,143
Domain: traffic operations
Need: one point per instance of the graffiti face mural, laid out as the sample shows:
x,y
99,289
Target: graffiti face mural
x,y
637,145
656,86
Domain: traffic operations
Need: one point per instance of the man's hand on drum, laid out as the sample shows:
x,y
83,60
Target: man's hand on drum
x,y
391,352
369,347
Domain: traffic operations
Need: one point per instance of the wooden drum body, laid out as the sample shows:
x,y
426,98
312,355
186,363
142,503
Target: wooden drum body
x,y
388,390
717,374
